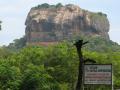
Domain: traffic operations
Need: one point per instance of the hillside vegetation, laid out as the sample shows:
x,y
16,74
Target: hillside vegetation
x,y
97,44
46,5
49,68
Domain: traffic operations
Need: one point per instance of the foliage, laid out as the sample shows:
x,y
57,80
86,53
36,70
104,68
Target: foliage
x,y
49,68
100,44
102,14
37,78
10,76
98,15
5,53
17,44
59,5
46,5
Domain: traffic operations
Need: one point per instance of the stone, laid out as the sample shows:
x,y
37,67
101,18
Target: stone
x,y
67,22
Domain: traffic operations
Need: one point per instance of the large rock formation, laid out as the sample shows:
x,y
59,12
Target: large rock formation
x,y
49,23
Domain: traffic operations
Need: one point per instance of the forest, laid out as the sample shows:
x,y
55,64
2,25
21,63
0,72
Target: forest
x,y
49,68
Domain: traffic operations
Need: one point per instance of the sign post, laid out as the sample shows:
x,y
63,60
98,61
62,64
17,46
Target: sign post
x,y
92,74
98,74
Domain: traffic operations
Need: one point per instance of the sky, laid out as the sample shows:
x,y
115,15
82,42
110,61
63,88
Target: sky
x,y
13,14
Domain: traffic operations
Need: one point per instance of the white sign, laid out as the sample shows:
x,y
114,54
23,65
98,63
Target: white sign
x,y
97,74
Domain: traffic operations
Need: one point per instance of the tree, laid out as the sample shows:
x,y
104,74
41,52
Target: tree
x,y
17,44
44,5
59,5
10,76
37,78
5,53
49,68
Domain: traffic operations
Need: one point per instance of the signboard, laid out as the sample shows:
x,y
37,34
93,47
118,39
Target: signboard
x,y
97,74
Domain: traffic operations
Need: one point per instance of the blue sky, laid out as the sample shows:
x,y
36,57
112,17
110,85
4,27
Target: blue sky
x,y
13,14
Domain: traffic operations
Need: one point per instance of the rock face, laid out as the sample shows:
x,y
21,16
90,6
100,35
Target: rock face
x,y
53,24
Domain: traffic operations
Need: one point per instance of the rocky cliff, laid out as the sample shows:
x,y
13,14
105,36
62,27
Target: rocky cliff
x,y
50,23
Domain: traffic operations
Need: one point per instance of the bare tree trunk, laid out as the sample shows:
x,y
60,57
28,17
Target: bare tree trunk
x,y
79,45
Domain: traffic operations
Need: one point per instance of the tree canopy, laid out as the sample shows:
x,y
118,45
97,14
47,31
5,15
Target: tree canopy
x,y
46,5
49,68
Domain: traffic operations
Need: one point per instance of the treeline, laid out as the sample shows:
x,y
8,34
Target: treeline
x,y
48,68
97,44
46,5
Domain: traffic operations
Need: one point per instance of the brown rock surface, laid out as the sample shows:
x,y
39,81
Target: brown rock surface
x,y
65,22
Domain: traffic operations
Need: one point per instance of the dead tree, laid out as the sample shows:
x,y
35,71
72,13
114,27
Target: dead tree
x,y
79,45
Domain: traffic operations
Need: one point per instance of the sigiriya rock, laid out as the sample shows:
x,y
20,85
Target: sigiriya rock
x,y
53,23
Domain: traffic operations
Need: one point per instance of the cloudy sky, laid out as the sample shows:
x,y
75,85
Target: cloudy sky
x,y
13,14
